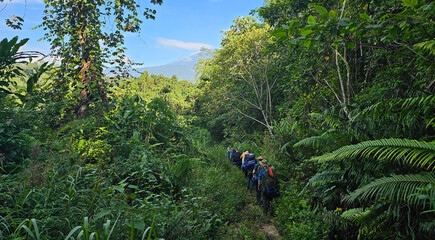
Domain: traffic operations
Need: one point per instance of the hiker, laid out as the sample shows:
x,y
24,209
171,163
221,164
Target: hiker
x,y
243,156
267,184
245,152
255,172
230,153
236,158
250,163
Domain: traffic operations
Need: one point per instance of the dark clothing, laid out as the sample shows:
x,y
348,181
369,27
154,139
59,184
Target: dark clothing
x,y
267,180
255,183
236,159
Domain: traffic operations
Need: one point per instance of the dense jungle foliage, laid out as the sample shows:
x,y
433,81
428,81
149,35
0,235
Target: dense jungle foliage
x,y
337,95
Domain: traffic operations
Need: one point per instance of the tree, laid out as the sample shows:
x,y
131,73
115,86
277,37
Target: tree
x,y
76,31
10,70
345,47
240,71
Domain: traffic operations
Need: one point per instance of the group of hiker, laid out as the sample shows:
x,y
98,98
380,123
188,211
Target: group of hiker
x,y
259,176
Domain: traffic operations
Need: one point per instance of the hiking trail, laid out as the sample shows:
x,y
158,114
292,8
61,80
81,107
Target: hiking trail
x,y
259,226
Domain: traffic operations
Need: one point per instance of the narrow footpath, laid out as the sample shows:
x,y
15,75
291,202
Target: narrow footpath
x,y
254,225
266,225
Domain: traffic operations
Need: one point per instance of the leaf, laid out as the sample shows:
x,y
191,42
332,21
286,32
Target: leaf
x,y
365,16
311,20
343,24
280,32
307,44
410,3
397,188
418,154
373,26
306,32
290,25
322,11
332,13
428,45
72,232
119,189
102,214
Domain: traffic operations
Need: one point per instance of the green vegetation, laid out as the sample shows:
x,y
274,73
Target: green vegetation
x,y
337,95
340,99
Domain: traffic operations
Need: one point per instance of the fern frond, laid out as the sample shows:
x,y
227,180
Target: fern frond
x,y
329,118
398,188
415,153
427,45
316,141
353,214
428,227
324,177
404,111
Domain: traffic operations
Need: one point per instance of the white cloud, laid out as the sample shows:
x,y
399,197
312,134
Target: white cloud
x,y
126,59
180,44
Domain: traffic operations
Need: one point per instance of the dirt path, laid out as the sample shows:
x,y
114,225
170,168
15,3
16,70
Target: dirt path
x,y
270,231
260,226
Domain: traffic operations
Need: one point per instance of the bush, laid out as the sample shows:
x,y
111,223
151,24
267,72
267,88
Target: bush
x,y
296,219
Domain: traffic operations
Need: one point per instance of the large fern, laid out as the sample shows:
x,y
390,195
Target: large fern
x,y
354,214
373,221
402,116
400,109
428,226
415,153
324,177
316,141
361,216
397,188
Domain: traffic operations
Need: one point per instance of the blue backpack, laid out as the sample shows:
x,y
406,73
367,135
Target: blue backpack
x,y
249,157
250,165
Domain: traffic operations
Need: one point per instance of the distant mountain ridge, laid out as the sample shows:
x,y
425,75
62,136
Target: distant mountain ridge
x,y
182,68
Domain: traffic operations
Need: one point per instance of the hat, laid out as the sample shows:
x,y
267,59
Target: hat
x,y
262,161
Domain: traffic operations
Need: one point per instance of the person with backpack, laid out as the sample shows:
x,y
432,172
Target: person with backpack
x,y
237,158
250,163
255,172
244,154
230,153
267,185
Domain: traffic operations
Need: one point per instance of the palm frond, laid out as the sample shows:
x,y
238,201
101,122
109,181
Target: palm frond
x,y
397,188
415,153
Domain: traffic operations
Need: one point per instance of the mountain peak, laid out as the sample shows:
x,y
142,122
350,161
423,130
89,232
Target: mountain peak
x,y
183,68
188,61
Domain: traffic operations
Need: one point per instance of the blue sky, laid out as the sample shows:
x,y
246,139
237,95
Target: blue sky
x,y
180,29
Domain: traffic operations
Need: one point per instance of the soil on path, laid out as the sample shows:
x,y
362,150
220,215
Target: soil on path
x,y
254,224
270,231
